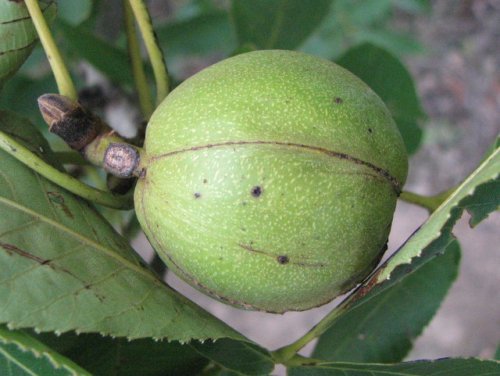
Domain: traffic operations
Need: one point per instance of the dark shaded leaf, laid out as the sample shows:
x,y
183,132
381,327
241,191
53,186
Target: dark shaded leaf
x,y
20,93
117,356
21,354
388,77
382,330
242,358
441,367
202,34
282,24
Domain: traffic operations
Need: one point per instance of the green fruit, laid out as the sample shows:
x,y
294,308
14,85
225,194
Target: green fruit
x,y
270,180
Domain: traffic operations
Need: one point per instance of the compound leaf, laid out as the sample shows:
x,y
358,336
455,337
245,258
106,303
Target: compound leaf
x,y
382,329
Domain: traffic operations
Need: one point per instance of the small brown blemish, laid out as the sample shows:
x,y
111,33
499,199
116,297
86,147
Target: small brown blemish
x,y
283,260
338,100
370,130
197,195
256,191
205,181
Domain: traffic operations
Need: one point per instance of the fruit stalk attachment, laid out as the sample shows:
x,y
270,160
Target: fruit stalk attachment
x,y
89,135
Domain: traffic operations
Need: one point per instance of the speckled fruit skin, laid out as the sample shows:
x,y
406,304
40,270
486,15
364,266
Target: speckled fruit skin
x,y
270,180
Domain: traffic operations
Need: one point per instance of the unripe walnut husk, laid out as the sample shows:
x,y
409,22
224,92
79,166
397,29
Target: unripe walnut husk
x,y
270,180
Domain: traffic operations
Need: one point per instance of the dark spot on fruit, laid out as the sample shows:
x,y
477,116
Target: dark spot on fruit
x,y
283,260
244,203
338,100
243,229
256,191
370,130
205,181
197,195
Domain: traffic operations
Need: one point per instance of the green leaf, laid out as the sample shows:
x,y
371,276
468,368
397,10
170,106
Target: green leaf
x,y
110,60
394,42
433,237
21,354
441,367
74,12
283,24
242,358
20,93
65,268
382,329
388,77
117,356
17,34
202,34
489,195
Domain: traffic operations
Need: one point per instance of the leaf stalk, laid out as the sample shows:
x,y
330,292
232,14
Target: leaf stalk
x,y
30,159
143,19
63,79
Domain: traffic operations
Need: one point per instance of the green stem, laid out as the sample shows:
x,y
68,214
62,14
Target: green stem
x,y
155,55
62,179
284,354
431,203
61,74
141,82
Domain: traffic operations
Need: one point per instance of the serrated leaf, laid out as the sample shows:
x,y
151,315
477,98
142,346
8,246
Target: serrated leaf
x,y
65,268
430,240
441,367
239,357
388,77
382,330
283,24
108,59
117,356
21,354
438,226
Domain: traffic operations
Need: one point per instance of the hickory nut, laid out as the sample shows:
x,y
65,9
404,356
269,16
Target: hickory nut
x,y
270,180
